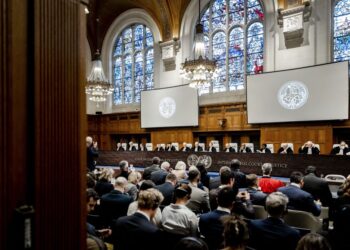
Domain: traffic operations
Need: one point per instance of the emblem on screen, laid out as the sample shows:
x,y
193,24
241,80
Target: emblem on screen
x,y
293,95
167,107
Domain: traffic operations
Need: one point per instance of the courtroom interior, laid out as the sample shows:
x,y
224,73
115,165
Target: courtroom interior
x,y
175,124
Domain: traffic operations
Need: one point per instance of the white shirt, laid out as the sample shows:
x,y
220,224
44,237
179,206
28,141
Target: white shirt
x,y
309,151
144,214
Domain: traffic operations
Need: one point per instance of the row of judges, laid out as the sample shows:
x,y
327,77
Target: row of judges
x,y
308,148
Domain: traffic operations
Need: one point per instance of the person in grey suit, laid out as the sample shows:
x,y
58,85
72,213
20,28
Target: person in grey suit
x,y
154,167
199,202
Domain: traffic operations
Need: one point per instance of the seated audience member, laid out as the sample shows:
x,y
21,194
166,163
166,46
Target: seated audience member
x,y
210,224
285,149
342,149
313,241
142,147
94,236
229,148
115,204
158,177
180,170
211,147
104,185
215,182
197,148
149,170
119,147
240,178
170,148
226,180
264,149
266,183
132,187
167,189
199,201
91,153
256,195
131,146
341,232
273,233
91,180
136,231
185,148
191,243
236,233
298,198
245,149
159,147
317,187
157,218
177,218
205,179
309,148
124,169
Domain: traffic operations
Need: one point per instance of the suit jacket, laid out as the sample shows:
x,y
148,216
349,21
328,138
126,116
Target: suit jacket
x,y
91,154
269,185
199,202
247,150
213,149
300,200
159,149
211,227
135,232
289,151
336,150
272,234
103,187
133,148
267,150
199,149
144,148
318,188
158,177
167,189
256,196
172,149
315,151
148,171
187,149
240,179
231,150
114,205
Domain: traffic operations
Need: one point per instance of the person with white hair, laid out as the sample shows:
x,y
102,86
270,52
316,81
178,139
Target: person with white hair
x,y
285,149
266,183
120,147
180,170
91,153
309,148
158,177
185,148
273,232
132,146
341,149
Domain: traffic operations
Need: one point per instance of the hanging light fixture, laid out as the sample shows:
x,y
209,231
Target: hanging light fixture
x,y
97,85
201,70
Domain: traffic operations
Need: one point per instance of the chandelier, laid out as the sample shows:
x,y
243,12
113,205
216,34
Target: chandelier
x,y
97,85
201,70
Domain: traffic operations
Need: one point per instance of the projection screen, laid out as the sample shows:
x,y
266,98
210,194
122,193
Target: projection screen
x,y
306,94
169,107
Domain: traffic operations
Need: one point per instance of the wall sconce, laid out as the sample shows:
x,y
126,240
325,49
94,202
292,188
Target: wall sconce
x,y
222,122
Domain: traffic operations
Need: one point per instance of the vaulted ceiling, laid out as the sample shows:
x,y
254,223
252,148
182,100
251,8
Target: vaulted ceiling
x,y
166,13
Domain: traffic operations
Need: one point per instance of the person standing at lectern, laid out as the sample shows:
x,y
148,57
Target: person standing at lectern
x,y
285,149
185,148
309,148
342,149
197,148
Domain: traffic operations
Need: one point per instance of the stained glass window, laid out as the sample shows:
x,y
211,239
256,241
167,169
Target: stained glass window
x,y
341,31
234,37
133,64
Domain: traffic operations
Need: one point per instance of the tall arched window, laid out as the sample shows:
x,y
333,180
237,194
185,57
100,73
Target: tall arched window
x,y
234,37
341,30
133,64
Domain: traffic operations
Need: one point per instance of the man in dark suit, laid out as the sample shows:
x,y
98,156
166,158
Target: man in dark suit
x,y
240,178
154,167
317,187
245,149
91,153
272,233
298,198
309,148
167,189
115,204
137,232
119,147
256,196
342,149
230,149
170,147
264,149
197,148
185,148
285,149
158,177
211,147
210,224
132,146
159,148
226,179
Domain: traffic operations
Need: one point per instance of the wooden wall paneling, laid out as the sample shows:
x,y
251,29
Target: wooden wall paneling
x,y
60,153
203,123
